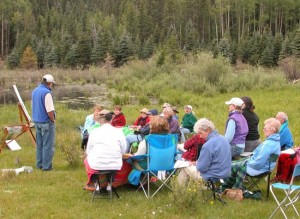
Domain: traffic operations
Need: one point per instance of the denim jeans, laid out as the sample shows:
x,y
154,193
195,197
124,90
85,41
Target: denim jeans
x,y
45,136
132,138
184,131
236,151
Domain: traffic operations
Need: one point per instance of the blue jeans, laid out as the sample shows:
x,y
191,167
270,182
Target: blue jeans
x,y
184,131
236,151
132,138
45,136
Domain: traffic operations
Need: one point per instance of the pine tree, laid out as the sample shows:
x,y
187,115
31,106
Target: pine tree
x,y
51,57
13,59
83,51
172,47
148,48
29,59
225,48
296,45
71,57
267,57
277,47
123,50
286,48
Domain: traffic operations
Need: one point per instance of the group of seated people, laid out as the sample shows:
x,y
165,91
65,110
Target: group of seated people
x,y
209,154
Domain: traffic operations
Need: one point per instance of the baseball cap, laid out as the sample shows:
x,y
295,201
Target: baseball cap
x,y
49,78
235,101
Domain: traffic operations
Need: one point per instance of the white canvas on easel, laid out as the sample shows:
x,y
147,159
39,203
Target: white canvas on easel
x,y
13,145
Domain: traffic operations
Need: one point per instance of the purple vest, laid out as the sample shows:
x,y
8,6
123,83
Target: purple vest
x,y
241,127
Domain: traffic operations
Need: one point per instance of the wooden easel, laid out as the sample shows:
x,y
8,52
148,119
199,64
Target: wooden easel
x,y
25,126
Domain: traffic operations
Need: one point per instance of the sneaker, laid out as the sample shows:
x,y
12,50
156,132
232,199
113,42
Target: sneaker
x,y
108,187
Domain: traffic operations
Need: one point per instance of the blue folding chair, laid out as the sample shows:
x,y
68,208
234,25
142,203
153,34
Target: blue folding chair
x,y
161,152
289,190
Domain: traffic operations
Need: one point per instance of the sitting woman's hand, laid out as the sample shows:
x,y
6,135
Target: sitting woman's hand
x,y
126,156
192,163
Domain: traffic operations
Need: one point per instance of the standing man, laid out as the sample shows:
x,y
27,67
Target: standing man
x,y
43,116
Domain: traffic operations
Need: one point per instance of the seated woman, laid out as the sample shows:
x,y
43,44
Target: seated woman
x,y
158,125
140,131
214,159
119,119
259,162
252,138
173,122
236,126
89,122
188,121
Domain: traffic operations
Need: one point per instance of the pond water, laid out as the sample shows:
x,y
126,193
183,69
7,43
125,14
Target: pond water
x,y
74,96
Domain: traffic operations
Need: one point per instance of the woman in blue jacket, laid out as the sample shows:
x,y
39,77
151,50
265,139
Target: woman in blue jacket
x,y
259,162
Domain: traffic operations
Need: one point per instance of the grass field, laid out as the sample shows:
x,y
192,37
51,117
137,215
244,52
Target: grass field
x,y
59,194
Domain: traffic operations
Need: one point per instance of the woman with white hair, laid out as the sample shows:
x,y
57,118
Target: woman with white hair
x,y
259,162
214,161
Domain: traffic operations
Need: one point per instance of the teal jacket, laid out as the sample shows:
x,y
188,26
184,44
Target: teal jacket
x,y
188,121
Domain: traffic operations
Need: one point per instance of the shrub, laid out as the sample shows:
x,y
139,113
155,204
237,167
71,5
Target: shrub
x,y
72,154
143,100
186,199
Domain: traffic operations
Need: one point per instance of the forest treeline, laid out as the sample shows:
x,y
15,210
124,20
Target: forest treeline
x,y
80,33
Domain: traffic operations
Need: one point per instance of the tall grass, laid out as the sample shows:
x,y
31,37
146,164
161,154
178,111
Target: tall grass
x,y
59,194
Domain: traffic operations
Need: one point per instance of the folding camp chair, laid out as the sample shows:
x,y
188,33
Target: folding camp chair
x,y
255,180
215,192
98,192
289,190
160,161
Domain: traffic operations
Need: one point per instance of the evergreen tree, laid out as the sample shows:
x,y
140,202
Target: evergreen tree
x,y
13,59
243,52
286,48
148,48
123,50
296,44
254,50
267,57
51,56
71,57
29,59
83,51
225,48
277,47
172,47
191,36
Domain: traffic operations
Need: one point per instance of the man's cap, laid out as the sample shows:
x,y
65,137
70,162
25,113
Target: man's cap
x,y
144,110
49,78
152,112
102,113
175,109
189,106
235,101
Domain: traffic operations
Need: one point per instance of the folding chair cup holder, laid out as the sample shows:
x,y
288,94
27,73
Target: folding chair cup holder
x,y
292,194
99,192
